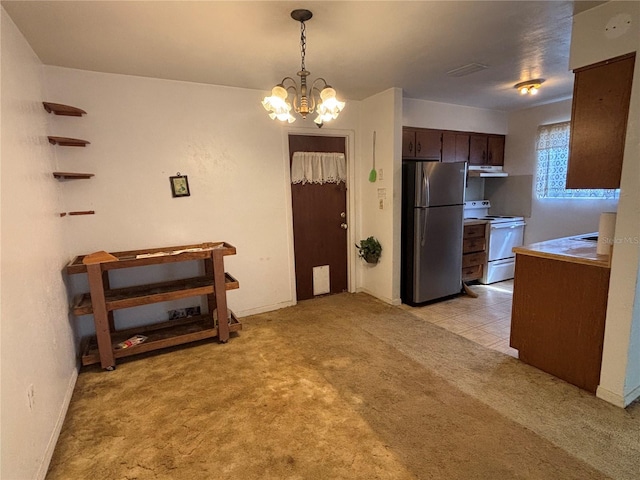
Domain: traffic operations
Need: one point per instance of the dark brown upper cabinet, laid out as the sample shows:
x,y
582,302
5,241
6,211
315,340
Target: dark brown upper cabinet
x,y
455,147
601,94
485,149
421,144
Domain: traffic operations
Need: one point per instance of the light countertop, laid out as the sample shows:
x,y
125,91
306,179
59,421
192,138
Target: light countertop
x,y
568,249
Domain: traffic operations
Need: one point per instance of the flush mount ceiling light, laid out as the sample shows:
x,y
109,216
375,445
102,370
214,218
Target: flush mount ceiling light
x,y
531,86
320,97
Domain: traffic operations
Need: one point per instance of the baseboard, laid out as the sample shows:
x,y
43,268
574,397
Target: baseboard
x,y
616,399
53,440
631,396
391,301
264,309
609,396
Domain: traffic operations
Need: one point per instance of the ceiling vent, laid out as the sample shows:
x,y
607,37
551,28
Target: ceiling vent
x,y
467,70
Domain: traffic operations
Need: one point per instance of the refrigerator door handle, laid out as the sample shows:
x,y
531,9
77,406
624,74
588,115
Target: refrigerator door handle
x,y
423,185
427,187
423,235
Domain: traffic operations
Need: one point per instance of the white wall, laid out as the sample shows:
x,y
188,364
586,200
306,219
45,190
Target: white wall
x,y
144,130
381,113
593,40
553,217
37,338
444,116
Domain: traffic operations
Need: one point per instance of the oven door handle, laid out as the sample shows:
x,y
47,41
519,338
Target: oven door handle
x,y
507,225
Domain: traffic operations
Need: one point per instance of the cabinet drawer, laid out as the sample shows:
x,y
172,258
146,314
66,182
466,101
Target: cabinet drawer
x,y
471,259
473,231
472,273
471,245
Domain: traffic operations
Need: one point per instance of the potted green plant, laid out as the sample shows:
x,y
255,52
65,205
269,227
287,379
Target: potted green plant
x,y
369,250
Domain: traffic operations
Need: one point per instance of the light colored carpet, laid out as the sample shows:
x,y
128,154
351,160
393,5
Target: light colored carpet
x,y
340,387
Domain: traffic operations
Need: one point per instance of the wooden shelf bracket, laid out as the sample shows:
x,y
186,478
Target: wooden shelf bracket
x,y
60,109
67,142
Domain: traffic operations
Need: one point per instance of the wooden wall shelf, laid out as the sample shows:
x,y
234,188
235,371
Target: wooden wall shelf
x,y
72,175
60,109
68,142
101,300
83,212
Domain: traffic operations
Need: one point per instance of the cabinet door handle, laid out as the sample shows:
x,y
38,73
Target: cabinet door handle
x,y
418,147
410,147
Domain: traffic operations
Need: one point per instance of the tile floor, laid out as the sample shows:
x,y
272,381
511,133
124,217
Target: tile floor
x,y
485,320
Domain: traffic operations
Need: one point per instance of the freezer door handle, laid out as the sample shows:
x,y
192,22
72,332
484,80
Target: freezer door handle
x,y
427,188
423,186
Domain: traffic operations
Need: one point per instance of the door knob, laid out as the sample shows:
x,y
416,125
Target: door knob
x,y
344,226
343,215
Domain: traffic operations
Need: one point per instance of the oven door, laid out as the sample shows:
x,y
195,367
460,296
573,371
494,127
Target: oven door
x,y
503,237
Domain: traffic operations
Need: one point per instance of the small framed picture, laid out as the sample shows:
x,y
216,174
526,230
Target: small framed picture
x,y
180,186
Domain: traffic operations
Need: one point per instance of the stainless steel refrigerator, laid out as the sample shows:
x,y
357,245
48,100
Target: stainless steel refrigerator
x,y
432,226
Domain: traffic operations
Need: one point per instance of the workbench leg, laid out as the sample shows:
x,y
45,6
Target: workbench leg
x,y
100,316
105,282
220,291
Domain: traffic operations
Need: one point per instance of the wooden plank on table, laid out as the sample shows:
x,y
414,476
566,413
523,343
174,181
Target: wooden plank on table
x,y
128,258
99,257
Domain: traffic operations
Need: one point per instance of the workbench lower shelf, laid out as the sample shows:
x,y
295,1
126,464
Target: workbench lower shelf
x,y
160,335
152,293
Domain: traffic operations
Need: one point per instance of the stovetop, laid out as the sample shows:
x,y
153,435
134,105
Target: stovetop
x,y
479,209
496,218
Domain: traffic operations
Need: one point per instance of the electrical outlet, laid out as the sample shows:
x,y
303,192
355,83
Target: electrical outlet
x,y
31,396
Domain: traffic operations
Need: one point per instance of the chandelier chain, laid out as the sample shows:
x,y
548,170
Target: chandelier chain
x,y
303,43
303,99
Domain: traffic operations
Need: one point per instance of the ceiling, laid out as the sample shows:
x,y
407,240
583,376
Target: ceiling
x,y
360,47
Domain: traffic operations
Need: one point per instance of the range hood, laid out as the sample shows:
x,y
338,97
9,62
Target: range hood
x,y
486,171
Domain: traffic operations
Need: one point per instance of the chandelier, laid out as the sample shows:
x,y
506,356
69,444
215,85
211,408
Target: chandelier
x,y
319,98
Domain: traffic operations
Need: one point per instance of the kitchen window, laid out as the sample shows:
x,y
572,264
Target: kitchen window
x,y
552,151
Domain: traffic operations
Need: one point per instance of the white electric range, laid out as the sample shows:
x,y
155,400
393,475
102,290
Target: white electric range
x,y
504,233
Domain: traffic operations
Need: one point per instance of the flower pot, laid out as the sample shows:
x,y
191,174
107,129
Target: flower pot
x,y
371,259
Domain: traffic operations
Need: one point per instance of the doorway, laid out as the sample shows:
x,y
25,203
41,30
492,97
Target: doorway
x,y
319,225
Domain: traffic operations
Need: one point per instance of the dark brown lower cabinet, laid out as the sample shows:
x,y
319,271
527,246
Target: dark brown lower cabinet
x,y
558,317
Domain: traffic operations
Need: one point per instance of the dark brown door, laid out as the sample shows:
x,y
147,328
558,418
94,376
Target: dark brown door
x,y
408,143
601,95
455,147
318,213
478,150
495,148
428,144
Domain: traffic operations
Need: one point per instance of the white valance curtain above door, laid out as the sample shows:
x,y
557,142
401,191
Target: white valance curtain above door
x,y
318,167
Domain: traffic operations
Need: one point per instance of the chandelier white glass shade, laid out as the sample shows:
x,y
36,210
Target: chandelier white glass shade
x,y
320,97
530,87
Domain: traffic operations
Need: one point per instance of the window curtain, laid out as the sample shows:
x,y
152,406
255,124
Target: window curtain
x,y
552,149
318,168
